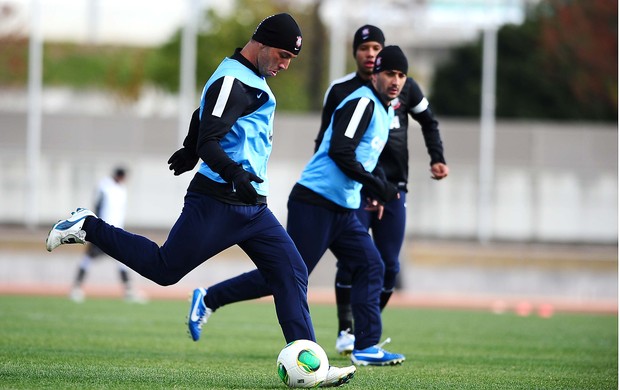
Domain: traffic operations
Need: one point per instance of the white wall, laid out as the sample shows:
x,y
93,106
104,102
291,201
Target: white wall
x,y
553,181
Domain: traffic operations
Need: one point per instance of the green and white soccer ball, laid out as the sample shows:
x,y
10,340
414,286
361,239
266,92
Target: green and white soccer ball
x,y
302,363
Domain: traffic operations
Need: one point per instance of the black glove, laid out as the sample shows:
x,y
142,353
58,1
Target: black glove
x,y
182,160
384,195
391,192
242,185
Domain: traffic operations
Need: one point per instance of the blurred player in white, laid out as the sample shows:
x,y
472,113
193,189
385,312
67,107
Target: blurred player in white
x,y
111,204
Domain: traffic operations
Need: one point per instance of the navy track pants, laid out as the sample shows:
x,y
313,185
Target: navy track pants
x,y
205,228
388,234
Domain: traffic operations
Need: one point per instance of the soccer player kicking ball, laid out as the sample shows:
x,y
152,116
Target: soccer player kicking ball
x,y
226,202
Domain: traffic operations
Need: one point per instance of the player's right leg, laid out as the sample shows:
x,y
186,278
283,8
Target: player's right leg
x,y
355,248
388,235
69,231
345,339
184,249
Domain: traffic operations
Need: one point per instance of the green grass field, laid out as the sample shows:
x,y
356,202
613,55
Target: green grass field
x,y
50,342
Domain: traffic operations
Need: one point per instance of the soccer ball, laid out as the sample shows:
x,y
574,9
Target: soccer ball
x,y
302,363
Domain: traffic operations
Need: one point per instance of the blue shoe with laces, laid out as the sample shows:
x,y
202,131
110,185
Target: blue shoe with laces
x,y
376,356
198,313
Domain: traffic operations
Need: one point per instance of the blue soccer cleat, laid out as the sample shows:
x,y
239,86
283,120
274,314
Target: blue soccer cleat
x,y
68,231
198,313
376,356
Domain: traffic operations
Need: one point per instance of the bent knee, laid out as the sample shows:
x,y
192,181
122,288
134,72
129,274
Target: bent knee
x,y
166,280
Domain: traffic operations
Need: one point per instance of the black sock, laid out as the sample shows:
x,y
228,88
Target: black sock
x,y
345,314
384,298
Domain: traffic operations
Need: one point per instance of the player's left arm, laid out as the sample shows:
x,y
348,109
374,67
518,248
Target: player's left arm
x,y
185,159
420,110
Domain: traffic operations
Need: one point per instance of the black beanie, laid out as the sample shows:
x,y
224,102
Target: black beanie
x,y
391,58
280,31
367,33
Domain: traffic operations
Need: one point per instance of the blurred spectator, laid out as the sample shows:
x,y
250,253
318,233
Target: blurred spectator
x,y
110,204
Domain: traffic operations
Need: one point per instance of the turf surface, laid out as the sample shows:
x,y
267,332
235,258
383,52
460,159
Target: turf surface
x,y
50,342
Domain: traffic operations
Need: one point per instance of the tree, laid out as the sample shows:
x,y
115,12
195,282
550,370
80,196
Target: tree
x,y
561,63
581,42
295,89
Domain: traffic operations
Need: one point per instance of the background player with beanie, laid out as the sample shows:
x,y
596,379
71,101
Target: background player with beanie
x,y
388,227
323,203
225,204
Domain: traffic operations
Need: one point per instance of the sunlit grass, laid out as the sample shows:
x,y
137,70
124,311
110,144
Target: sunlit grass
x,y
50,342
